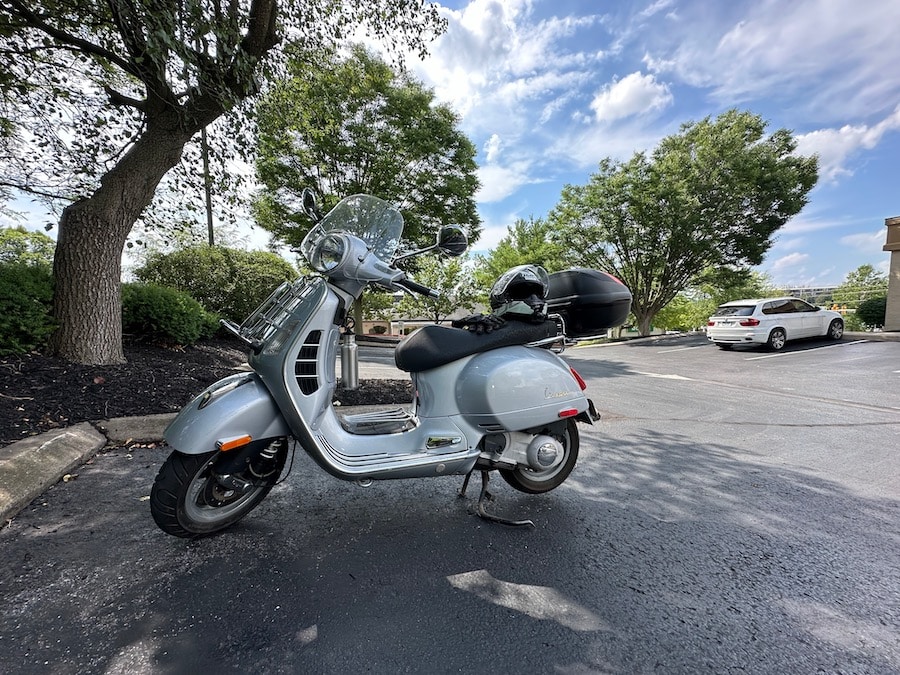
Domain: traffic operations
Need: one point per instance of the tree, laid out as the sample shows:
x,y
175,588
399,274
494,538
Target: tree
x,y
18,245
692,307
448,276
104,97
526,242
710,196
349,125
862,283
872,312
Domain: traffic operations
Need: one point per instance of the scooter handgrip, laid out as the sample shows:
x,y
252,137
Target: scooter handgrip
x,y
418,288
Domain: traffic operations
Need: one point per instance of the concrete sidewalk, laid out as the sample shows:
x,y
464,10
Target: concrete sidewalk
x,y
30,466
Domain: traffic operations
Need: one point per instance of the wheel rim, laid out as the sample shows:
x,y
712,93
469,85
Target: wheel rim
x,y
208,502
548,474
777,339
837,330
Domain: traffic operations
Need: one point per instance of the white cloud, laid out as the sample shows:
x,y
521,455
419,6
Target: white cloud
x,y
790,262
492,148
634,94
867,242
836,146
499,182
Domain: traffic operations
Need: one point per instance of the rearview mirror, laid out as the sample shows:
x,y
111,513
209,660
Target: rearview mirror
x,y
309,205
452,241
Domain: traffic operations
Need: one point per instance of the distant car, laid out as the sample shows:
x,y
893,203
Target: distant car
x,y
772,322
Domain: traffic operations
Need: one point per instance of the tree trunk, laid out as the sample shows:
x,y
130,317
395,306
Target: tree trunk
x,y
644,324
88,262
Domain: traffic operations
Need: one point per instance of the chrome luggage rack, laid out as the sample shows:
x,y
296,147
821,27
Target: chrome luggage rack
x,y
272,314
560,342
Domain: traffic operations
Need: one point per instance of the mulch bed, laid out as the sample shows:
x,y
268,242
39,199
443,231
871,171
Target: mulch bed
x,y
39,393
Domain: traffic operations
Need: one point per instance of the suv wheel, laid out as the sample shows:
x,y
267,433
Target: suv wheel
x,y
777,338
836,329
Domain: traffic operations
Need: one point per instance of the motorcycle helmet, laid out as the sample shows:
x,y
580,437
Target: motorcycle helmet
x,y
520,290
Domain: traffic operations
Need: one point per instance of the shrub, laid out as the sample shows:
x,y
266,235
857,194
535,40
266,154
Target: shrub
x,y
26,292
164,315
871,312
227,281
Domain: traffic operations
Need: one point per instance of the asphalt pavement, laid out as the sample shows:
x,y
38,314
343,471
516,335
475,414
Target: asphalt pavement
x,y
30,466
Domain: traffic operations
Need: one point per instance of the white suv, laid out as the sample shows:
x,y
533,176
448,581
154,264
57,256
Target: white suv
x,y
771,321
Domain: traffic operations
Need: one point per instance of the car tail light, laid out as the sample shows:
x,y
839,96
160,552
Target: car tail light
x,y
710,323
750,322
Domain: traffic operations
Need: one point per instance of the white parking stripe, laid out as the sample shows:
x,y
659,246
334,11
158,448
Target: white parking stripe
x,y
679,349
805,351
662,376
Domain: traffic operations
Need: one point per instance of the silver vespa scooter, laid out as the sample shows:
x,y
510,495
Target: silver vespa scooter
x,y
503,400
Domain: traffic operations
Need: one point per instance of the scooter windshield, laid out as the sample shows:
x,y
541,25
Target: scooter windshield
x,y
373,220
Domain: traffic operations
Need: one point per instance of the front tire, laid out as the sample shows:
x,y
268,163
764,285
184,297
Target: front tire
x,y
535,482
187,501
777,339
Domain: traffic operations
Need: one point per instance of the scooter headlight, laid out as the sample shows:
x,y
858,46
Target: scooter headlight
x,y
329,253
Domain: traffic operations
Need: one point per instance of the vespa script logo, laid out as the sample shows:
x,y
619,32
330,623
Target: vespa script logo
x,y
550,394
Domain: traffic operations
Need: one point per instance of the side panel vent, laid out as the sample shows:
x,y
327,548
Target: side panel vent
x,y
305,367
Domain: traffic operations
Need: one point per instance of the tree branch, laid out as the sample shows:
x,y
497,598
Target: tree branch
x,y
33,20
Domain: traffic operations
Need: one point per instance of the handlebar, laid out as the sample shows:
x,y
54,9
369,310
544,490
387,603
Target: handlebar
x,y
418,288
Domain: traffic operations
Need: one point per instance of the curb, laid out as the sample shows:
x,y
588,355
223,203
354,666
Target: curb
x,y
31,465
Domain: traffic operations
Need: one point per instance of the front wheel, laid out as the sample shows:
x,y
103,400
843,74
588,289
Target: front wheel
x,y
188,501
535,482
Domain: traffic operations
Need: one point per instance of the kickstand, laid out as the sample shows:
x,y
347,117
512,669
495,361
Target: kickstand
x,y
487,496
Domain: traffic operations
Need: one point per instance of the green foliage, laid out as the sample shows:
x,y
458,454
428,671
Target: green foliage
x,y
526,242
862,283
18,245
871,312
352,125
710,196
163,315
684,313
449,277
25,295
229,282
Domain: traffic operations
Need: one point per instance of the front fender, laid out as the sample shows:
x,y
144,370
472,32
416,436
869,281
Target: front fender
x,y
235,406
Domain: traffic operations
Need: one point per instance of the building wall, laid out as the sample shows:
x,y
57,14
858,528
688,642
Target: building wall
x,y
892,244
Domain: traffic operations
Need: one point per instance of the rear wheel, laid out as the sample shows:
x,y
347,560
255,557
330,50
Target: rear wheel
x,y
836,329
777,339
188,501
535,482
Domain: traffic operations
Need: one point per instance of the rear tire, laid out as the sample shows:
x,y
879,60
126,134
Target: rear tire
x,y
537,482
187,501
836,330
777,339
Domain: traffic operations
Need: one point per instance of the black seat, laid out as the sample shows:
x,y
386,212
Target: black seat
x,y
433,346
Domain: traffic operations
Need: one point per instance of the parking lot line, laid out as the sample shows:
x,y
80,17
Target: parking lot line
x,y
679,349
805,351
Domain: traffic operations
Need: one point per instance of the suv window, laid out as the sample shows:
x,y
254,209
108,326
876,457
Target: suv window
x,y
800,306
735,310
778,307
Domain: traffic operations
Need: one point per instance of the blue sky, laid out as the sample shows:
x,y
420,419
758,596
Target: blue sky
x,y
547,88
